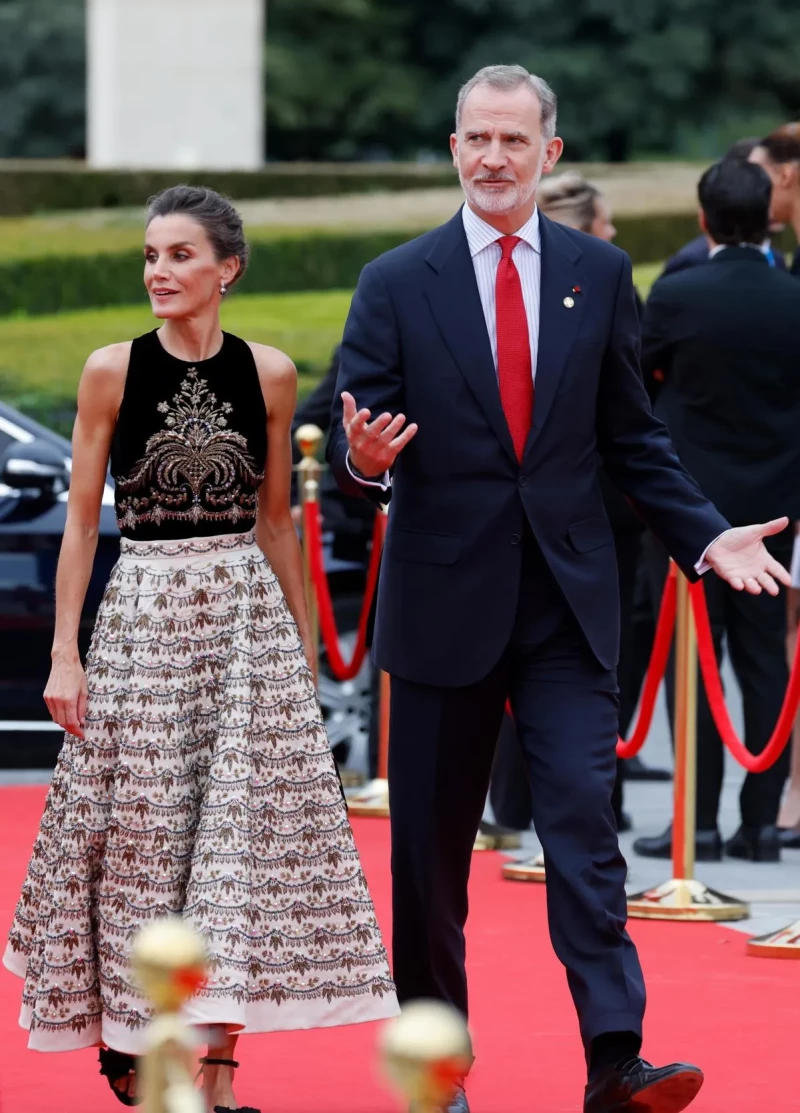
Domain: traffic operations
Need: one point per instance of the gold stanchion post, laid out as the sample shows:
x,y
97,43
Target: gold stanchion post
x,y
169,961
777,944
308,439
425,1054
373,798
683,897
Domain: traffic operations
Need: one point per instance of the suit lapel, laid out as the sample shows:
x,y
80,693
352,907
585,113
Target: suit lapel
x,y
558,323
453,296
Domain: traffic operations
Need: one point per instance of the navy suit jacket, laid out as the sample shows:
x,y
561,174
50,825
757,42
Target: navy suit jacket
x,y
416,342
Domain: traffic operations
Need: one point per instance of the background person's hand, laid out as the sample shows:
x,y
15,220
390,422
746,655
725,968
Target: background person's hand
x,y
740,558
66,694
373,445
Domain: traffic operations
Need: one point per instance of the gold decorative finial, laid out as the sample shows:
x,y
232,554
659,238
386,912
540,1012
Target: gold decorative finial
x,y
308,438
426,1053
169,961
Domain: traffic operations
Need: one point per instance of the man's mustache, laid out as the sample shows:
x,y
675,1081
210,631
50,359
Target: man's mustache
x,y
494,178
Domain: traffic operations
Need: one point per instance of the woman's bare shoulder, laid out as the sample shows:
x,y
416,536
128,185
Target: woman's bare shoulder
x,y
113,359
273,364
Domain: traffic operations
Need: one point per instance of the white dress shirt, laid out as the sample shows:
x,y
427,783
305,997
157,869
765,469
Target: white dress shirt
x,y
486,254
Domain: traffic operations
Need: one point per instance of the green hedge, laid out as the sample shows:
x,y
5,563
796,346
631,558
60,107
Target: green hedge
x,y
314,261
54,187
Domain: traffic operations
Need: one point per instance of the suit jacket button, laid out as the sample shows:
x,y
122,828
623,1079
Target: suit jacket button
x,y
522,481
515,539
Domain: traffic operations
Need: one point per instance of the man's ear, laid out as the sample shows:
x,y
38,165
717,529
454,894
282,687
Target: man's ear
x,y
454,149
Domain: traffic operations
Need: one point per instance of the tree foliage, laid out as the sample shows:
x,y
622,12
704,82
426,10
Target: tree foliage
x,y
42,78
378,78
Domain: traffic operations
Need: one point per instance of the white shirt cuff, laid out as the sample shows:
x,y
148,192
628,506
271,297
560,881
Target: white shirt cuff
x,y
796,561
702,565
384,483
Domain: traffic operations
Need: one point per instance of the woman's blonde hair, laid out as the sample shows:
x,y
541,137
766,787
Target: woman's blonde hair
x,y
569,199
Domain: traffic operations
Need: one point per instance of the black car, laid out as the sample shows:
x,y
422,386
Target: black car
x,y
35,466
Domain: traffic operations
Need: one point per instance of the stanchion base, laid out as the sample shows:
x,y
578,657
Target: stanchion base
x,y
778,944
351,778
493,837
372,799
681,899
529,869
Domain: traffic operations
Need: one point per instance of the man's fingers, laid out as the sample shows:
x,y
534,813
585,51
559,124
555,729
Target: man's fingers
x,y
404,438
356,426
773,527
752,586
348,407
778,572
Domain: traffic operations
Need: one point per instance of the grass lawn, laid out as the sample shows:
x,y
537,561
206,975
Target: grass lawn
x,y
41,357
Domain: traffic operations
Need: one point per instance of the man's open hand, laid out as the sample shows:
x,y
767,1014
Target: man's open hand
x,y
373,445
740,558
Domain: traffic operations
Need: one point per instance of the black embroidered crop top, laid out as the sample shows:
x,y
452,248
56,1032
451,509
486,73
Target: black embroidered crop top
x,y
190,445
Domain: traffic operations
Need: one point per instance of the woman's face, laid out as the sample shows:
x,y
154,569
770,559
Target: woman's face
x,y
182,274
785,178
601,224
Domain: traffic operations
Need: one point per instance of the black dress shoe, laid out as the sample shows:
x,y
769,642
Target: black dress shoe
x,y
634,769
789,837
639,1087
707,846
755,844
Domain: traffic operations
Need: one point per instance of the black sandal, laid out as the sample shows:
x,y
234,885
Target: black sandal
x,y
115,1065
206,1062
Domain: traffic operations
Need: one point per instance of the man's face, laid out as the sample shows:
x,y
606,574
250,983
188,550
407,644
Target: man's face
x,y
784,177
499,150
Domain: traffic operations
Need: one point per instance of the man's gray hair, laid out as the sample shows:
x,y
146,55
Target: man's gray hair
x,y
509,78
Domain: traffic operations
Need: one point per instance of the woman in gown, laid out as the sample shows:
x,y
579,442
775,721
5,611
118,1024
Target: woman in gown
x,y
195,776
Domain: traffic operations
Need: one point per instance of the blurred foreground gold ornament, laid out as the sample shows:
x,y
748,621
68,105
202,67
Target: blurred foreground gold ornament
x,y
169,960
426,1053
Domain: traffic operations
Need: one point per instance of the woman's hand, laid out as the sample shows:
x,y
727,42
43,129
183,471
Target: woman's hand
x,y
66,693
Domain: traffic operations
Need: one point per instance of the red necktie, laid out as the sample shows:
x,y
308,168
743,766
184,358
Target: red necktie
x,y
514,369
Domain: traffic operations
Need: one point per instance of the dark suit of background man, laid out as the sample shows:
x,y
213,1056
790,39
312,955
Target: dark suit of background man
x,y
517,363
725,337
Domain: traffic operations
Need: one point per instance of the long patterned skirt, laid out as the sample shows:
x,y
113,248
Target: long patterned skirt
x,y
204,787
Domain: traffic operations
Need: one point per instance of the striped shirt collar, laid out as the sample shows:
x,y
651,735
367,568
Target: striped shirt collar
x,y
480,234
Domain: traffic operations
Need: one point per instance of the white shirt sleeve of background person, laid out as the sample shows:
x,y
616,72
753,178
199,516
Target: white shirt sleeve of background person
x,y
384,482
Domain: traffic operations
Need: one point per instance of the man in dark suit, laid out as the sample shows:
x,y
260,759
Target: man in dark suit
x,y
725,340
696,251
512,345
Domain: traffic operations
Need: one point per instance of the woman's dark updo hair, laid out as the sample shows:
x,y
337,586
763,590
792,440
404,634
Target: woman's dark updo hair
x,y
215,213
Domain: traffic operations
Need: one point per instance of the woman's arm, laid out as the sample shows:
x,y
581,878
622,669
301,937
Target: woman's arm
x,y
99,397
275,530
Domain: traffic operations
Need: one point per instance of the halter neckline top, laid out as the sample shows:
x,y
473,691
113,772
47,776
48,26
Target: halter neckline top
x,y
190,445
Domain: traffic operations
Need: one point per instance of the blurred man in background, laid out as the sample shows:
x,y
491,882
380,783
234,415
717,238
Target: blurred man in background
x,y
697,250
779,155
725,339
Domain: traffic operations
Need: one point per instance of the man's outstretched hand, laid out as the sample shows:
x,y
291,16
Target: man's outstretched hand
x,y
740,558
373,445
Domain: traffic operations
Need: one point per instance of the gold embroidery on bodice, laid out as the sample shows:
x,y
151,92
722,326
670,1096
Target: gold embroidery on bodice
x,y
196,468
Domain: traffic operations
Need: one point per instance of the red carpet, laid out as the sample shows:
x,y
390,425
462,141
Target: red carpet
x,y
708,1002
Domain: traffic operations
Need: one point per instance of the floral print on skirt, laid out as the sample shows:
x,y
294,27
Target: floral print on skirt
x,y
205,786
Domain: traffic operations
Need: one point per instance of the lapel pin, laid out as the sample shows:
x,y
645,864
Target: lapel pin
x,y
569,302
576,289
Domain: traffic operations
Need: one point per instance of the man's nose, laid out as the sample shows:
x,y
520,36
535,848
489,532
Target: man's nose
x,y
495,157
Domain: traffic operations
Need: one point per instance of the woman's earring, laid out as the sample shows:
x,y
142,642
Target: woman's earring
x,y
223,289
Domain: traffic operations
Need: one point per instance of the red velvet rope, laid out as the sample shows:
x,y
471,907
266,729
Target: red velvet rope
x,y
340,668
753,763
655,670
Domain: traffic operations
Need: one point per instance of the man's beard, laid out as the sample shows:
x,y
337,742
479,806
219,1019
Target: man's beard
x,y
496,201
